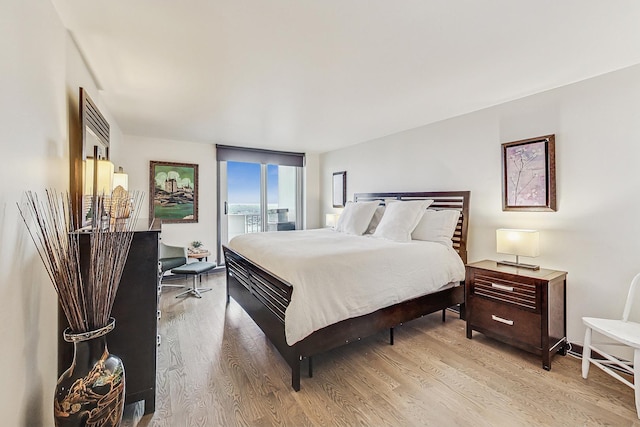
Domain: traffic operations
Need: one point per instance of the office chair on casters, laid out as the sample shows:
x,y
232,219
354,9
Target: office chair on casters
x,y
170,258
624,332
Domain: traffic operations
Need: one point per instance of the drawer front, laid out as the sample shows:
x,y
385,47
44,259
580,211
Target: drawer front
x,y
507,320
500,288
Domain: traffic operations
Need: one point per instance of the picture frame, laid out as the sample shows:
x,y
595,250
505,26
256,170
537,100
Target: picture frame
x,y
173,192
339,189
529,174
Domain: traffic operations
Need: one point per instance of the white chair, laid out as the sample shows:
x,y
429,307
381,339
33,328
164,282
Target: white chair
x,y
624,332
171,257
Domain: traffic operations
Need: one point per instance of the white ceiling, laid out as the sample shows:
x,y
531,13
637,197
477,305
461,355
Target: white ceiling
x,y
316,75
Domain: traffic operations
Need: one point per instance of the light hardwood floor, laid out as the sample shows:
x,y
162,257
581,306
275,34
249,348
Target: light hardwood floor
x,y
216,368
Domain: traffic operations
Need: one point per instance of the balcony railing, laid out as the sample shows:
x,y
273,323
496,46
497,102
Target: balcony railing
x,y
252,223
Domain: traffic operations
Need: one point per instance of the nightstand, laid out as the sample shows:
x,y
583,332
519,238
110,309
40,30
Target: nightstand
x,y
523,308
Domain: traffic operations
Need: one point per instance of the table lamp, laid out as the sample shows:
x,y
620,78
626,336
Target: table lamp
x,y
519,243
331,220
121,179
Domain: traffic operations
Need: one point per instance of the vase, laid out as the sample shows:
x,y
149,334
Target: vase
x,y
91,391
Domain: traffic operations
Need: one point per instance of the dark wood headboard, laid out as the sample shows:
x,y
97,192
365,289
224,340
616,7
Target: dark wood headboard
x,y
458,200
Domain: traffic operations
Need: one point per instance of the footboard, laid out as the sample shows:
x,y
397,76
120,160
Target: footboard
x,y
274,293
265,298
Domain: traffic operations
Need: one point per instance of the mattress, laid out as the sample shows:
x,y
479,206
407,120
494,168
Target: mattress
x,y
337,276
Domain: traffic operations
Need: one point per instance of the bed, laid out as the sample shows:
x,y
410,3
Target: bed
x,y
266,296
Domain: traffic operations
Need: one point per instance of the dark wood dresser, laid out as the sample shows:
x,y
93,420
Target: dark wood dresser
x,y
135,309
521,307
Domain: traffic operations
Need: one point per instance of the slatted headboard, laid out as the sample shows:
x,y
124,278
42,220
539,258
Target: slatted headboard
x,y
458,200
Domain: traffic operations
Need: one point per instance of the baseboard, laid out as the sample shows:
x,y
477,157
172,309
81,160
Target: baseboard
x,y
576,350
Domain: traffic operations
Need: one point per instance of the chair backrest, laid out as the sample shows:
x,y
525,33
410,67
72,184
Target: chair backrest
x,y
630,297
168,251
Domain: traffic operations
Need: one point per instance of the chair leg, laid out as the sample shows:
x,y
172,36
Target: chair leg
x,y
636,378
168,285
194,291
586,353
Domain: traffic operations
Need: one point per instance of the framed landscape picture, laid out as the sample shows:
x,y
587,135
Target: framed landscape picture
x,y
173,192
529,174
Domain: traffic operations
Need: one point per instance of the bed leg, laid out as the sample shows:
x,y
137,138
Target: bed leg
x,y
310,367
295,375
390,336
444,311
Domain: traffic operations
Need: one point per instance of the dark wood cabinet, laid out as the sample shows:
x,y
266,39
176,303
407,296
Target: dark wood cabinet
x,y
135,309
521,307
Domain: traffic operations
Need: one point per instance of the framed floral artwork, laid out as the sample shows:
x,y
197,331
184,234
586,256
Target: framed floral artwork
x,y
173,192
529,174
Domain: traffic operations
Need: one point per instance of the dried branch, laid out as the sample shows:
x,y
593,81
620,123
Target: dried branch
x,y
86,301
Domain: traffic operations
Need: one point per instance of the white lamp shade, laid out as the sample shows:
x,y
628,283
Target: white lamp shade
x,y
518,242
331,219
105,176
121,179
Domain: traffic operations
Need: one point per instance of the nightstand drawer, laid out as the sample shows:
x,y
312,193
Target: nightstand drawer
x,y
507,320
500,288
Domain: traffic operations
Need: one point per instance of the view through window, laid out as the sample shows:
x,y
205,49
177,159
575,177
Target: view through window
x,y
258,195
246,208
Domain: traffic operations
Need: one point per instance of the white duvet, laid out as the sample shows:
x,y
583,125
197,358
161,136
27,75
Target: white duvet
x,y
336,276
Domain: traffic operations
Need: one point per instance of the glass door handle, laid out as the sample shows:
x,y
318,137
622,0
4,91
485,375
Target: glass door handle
x,y
226,211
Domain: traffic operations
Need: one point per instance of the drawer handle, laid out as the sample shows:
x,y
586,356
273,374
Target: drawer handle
x,y
501,320
502,287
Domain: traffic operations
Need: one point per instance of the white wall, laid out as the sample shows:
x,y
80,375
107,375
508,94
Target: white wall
x,y
312,211
41,73
139,151
33,144
594,235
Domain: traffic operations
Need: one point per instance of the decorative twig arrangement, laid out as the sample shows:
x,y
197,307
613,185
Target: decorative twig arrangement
x,y
86,297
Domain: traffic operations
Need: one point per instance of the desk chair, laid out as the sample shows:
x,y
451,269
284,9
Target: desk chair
x,y
623,332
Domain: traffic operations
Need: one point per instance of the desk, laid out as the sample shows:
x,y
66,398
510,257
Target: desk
x,y
200,255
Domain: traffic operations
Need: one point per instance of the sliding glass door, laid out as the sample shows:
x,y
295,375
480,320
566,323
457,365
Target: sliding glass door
x,y
283,198
243,204
256,197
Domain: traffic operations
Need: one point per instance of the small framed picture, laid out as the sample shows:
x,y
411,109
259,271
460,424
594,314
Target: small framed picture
x,y
173,192
529,174
339,186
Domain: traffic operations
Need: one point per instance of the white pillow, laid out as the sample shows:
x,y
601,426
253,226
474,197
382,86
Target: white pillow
x,y
437,226
400,218
377,216
355,217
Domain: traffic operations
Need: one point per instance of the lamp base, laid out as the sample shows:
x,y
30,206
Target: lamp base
x,y
519,265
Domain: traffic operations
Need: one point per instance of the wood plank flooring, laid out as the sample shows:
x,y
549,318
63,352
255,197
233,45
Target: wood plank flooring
x,y
216,368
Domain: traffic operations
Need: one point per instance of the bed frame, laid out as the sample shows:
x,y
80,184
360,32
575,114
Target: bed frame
x,y
265,297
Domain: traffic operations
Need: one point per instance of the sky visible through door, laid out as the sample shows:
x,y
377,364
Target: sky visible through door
x,y
243,184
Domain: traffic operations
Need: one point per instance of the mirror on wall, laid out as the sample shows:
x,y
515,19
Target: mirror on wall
x,y
92,171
